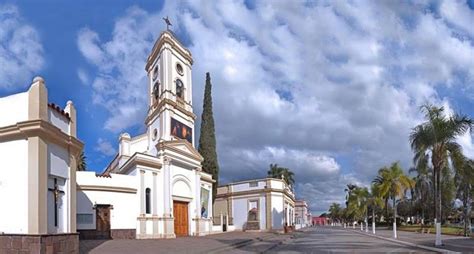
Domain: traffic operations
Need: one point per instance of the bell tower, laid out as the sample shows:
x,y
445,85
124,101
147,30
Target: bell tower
x,y
170,113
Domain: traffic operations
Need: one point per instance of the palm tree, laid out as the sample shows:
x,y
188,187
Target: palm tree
x,y
357,203
375,200
423,186
335,212
464,179
281,173
436,138
393,183
81,162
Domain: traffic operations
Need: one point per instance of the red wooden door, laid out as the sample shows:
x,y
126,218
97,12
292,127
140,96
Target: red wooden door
x,y
180,213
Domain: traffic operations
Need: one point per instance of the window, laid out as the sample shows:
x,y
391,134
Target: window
x,y
84,218
147,201
179,89
155,72
156,90
179,69
253,184
204,202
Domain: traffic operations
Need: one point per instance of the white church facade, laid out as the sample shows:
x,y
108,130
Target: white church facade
x,y
155,186
38,151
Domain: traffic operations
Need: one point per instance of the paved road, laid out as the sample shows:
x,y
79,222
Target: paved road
x,y
330,240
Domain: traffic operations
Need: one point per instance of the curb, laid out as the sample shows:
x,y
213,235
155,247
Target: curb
x,y
405,243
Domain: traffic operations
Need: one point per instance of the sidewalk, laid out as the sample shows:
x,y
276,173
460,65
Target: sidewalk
x,y
451,243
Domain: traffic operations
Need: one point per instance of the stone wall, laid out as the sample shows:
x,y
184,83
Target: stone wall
x,y
113,234
39,244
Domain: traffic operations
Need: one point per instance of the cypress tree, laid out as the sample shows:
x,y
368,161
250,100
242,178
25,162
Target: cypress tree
x,y
207,139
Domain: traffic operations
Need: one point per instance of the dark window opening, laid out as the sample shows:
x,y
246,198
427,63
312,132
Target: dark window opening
x,y
147,201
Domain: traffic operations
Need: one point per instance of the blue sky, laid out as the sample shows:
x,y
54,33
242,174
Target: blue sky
x,y
330,89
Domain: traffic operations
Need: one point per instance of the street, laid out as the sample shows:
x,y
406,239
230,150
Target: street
x,y
329,240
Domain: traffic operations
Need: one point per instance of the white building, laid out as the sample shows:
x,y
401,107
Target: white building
x,y
302,214
38,151
261,204
154,187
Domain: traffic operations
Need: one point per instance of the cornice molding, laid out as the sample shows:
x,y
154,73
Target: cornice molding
x,y
257,191
160,108
171,146
44,130
140,159
105,188
168,38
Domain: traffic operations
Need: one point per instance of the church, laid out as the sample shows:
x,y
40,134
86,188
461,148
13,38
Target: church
x,y
155,186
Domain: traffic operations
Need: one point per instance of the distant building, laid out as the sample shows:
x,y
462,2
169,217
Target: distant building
x,y
320,221
261,204
302,215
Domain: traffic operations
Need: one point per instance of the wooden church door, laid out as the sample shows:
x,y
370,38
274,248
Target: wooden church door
x,y
103,221
180,213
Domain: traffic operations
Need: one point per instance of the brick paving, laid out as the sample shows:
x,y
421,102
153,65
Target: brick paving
x,y
217,243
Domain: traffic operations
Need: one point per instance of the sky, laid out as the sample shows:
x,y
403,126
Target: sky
x,y
329,89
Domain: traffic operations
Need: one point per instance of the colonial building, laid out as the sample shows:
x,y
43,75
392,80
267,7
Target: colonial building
x,y
38,151
302,214
262,204
155,186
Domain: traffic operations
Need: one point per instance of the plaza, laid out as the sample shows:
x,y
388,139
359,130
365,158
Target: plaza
x,y
324,239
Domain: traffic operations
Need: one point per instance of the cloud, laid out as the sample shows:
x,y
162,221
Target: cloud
x,y
83,77
21,51
329,90
105,147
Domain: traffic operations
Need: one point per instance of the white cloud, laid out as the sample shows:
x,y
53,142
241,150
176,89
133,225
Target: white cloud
x,y
21,52
83,77
105,147
295,84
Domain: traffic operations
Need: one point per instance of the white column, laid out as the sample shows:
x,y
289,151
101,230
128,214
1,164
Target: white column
x,y
167,187
155,195
142,192
197,196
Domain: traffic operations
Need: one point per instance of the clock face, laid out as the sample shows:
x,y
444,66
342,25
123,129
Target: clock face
x,y
155,72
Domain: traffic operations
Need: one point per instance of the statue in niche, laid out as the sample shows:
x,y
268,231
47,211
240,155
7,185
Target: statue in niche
x,y
252,215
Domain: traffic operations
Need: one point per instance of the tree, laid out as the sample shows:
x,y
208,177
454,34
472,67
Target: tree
x,y
393,183
464,179
335,212
423,187
357,201
279,172
81,162
375,200
207,139
436,138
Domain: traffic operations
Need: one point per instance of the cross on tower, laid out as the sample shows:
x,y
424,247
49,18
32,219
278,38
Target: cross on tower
x,y
168,23
56,191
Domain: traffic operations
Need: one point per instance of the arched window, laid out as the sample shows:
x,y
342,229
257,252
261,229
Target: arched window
x,y
179,89
156,90
147,201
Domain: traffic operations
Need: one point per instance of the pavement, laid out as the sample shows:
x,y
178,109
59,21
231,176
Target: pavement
x,y
310,240
336,240
217,243
450,243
